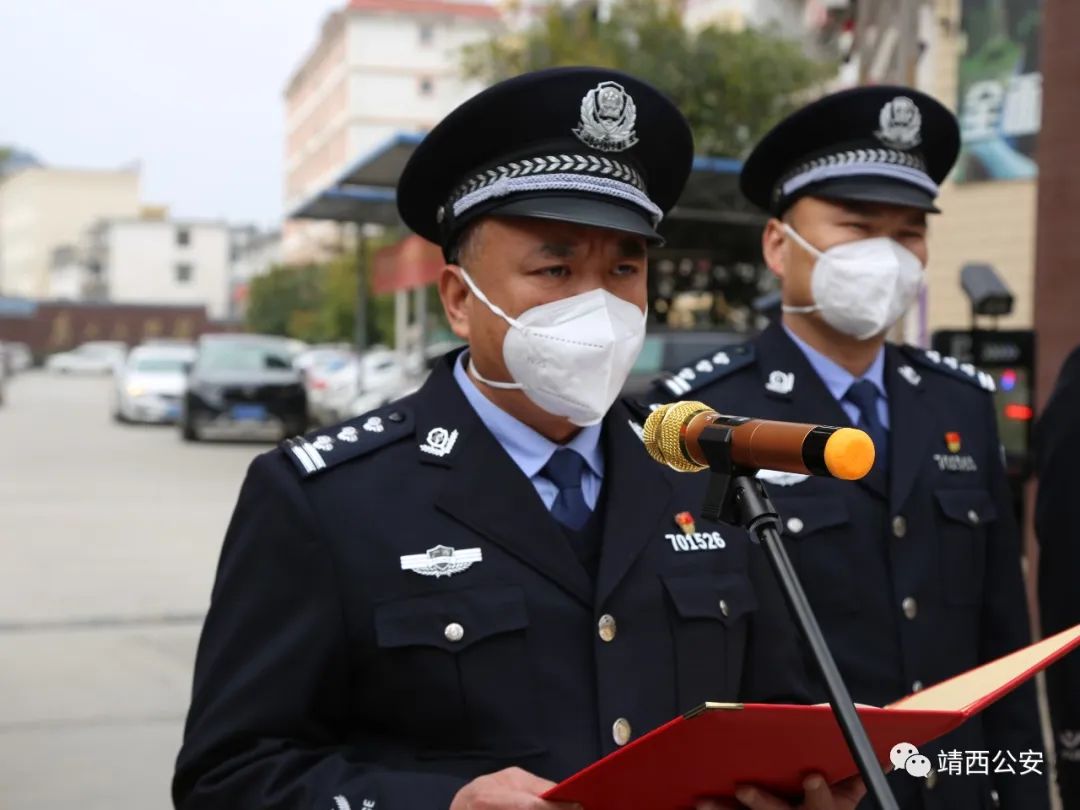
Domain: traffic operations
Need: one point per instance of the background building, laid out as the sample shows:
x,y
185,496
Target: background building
x,y
148,261
253,254
42,209
380,67
785,17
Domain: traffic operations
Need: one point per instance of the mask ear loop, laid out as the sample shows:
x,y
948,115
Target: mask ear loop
x,y
487,302
506,386
794,234
813,251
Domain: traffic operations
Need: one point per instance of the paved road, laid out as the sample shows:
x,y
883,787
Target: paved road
x,y
109,535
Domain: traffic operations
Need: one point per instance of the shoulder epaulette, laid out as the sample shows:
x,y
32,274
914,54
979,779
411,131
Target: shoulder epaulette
x,y
950,366
320,450
705,370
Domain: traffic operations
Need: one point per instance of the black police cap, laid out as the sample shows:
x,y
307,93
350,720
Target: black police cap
x,y
580,144
881,144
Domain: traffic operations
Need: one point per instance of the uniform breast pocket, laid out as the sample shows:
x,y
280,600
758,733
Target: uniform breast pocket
x,y
824,549
458,663
966,513
709,618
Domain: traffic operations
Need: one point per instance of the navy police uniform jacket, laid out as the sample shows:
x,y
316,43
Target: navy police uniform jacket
x,y
396,613
1057,514
915,578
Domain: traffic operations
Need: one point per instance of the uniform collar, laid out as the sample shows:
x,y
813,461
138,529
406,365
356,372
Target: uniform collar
x,y
837,378
529,450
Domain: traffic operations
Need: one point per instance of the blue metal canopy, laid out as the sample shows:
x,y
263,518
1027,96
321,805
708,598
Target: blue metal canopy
x,y
365,192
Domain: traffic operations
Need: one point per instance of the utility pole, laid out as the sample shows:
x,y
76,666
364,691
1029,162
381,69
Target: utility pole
x,y
887,43
1057,250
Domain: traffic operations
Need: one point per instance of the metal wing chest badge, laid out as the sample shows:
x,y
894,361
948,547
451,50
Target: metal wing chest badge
x,y
441,561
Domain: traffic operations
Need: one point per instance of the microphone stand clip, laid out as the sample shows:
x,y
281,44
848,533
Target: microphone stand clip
x,y
736,496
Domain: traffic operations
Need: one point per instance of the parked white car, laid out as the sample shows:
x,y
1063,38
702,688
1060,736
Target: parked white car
x,y
382,378
94,357
330,380
16,357
320,354
151,385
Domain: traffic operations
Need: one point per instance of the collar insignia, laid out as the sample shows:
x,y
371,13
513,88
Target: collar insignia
x,y
440,442
781,382
910,374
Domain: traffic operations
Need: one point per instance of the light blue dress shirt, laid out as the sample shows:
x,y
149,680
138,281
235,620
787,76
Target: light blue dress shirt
x,y
530,450
838,379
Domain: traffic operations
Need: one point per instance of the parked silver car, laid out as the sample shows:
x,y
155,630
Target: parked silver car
x,y
93,357
16,357
150,387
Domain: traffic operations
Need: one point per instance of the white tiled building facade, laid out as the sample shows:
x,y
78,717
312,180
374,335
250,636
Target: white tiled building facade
x,y
149,261
42,209
380,67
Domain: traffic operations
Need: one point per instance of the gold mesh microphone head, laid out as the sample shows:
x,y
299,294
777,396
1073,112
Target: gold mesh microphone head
x,y
662,434
651,430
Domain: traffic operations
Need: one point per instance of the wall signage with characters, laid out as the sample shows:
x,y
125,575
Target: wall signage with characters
x,y
1000,90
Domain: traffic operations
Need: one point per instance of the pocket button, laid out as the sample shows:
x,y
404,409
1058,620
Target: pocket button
x,y
621,731
606,627
910,607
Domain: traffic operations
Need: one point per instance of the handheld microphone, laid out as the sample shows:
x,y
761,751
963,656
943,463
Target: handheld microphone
x,y
672,436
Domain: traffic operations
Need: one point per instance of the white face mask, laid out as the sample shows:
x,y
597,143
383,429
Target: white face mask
x,y
572,356
862,288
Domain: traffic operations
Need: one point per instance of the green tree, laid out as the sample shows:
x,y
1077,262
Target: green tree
x,y
731,85
284,300
317,304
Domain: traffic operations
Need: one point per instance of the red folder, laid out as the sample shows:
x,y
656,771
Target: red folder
x,y
715,747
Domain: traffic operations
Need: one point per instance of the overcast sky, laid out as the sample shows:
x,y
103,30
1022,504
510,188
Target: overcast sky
x,y
192,89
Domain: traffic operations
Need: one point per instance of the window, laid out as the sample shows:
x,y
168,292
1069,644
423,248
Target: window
x,y
183,237
184,272
427,86
427,33
243,354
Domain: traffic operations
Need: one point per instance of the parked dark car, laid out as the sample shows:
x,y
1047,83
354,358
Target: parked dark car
x,y
671,350
245,387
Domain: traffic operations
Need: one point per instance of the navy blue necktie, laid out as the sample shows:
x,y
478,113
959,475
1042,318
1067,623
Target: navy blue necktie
x,y
564,469
864,395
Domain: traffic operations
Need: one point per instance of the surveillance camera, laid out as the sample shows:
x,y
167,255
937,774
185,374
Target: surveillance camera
x,y
985,289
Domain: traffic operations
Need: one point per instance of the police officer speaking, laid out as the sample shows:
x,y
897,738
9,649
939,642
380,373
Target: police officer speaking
x,y
914,572
488,585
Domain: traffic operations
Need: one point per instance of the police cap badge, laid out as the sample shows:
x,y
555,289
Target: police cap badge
x,y
881,144
585,145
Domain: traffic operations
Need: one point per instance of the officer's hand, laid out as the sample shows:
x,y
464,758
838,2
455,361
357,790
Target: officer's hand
x,y
818,796
511,789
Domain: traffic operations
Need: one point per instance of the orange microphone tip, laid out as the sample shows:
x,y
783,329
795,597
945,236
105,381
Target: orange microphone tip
x,y
849,454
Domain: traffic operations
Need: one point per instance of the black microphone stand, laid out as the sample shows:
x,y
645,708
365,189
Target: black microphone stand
x,y
736,496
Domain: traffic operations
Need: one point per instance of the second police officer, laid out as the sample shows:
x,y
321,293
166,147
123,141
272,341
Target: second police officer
x,y
915,571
